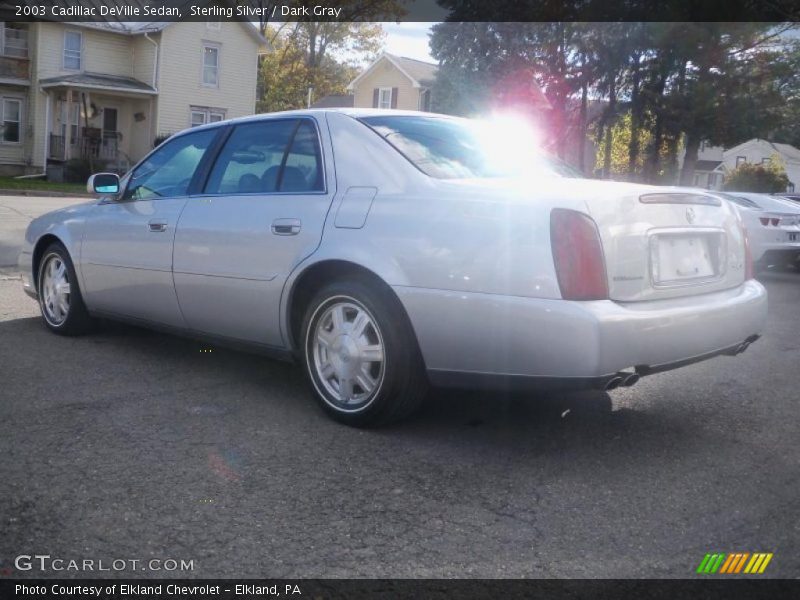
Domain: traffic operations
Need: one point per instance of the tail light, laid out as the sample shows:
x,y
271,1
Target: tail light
x,y
578,256
749,268
764,221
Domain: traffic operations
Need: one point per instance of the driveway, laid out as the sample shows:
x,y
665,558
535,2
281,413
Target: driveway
x,y
128,444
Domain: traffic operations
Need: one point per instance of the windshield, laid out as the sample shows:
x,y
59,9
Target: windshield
x,y
765,202
449,148
739,201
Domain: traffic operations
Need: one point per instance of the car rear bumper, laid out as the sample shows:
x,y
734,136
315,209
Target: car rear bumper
x,y
582,344
768,251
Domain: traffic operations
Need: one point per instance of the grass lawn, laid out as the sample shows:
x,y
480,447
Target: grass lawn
x,y
9,183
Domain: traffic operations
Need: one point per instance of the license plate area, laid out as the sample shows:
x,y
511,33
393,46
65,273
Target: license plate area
x,y
689,257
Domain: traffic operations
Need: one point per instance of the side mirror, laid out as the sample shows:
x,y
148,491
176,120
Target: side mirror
x,y
103,183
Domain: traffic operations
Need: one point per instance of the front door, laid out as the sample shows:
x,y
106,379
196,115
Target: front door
x,y
110,136
262,212
126,255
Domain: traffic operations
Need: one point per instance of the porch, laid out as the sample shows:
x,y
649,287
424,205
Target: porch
x,y
91,144
101,119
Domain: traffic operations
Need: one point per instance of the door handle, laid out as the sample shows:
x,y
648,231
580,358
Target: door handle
x,y
157,226
286,226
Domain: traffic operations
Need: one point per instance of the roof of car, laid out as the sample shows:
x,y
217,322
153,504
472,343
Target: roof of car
x,y
311,112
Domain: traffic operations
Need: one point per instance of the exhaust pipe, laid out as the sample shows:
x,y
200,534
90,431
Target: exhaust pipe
x,y
630,380
621,379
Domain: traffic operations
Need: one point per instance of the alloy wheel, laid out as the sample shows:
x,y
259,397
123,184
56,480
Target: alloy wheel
x,y
348,355
55,290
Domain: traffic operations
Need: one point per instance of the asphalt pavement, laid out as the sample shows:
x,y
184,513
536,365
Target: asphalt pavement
x,y
133,445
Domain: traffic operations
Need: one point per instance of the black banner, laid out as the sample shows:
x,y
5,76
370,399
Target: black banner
x,y
416,589
153,11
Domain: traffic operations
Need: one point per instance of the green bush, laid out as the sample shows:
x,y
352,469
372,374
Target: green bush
x,y
749,177
162,137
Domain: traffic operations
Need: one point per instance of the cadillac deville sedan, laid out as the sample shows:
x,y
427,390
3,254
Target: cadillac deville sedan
x,y
386,251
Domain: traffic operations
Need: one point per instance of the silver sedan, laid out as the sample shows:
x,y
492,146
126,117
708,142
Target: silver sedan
x,y
388,250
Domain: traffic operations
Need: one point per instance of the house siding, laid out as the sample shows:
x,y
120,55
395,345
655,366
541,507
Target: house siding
x,y
180,73
144,53
386,75
107,53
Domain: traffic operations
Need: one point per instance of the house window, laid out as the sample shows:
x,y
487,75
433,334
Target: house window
x,y
201,116
425,100
12,113
73,42
740,160
210,65
385,98
766,161
13,40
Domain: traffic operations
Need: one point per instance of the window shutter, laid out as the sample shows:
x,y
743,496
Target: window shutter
x,y
394,97
375,93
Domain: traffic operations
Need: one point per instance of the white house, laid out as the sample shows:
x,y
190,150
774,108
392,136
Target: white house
x,y
394,82
714,161
760,151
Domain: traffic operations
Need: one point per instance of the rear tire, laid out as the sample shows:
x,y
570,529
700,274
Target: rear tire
x,y
60,297
361,356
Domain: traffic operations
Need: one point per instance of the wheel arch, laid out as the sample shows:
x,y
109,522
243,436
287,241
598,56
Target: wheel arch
x,y
313,277
38,251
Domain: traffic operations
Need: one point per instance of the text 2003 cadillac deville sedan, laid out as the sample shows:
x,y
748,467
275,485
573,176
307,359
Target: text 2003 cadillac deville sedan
x,y
386,249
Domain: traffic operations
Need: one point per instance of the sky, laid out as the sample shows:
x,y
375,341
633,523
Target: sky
x,y
408,39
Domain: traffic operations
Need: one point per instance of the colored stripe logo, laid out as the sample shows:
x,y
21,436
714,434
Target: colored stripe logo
x,y
734,563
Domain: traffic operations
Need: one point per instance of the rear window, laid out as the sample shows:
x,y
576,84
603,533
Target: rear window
x,y
450,148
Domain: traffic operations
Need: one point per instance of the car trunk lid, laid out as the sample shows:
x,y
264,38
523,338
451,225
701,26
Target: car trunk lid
x,y
666,242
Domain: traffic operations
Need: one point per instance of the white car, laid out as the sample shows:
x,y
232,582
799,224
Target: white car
x,y
773,226
384,250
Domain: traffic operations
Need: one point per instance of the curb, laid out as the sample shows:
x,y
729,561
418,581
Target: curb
x,y
42,193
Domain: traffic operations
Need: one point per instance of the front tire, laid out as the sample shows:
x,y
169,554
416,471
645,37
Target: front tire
x,y
60,297
361,356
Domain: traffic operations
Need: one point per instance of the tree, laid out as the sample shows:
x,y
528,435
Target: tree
x,y
324,55
681,83
748,177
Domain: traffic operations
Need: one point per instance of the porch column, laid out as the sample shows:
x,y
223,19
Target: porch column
x,y
68,128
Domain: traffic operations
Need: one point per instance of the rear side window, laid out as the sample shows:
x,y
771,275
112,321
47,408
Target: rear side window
x,y
450,148
269,157
168,171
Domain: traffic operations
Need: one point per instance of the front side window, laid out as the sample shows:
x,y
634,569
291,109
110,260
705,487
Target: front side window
x,y
168,171
12,111
452,148
210,65
269,157
73,42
